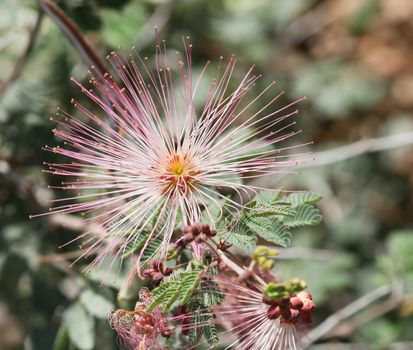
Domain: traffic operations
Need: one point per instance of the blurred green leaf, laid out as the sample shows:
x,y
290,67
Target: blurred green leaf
x,y
80,326
379,333
96,304
398,262
120,28
336,88
336,274
62,338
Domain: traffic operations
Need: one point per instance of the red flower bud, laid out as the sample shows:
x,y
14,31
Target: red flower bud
x,y
296,303
205,229
307,299
157,276
273,312
290,314
148,272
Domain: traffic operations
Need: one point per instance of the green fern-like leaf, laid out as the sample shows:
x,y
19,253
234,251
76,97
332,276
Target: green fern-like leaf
x,y
235,232
163,294
300,198
170,297
210,293
135,246
203,325
270,229
151,249
209,329
158,291
269,209
306,215
188,282
244,239
193,333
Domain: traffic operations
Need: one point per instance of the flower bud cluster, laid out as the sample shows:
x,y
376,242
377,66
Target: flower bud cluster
x,y
264,257
195,233
297,308
157,270
289,301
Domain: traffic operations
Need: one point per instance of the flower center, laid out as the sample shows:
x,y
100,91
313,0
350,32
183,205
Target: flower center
x,y
178,173
177,165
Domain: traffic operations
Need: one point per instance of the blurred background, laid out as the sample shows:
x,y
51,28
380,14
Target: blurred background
x,y
354,61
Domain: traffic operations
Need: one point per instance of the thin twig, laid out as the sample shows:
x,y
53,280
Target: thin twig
x,y
21,62
49,258
334,320
74,35
355,149
348,327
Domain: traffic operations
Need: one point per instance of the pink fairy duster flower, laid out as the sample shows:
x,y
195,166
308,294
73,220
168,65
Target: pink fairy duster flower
x,y
154,160
141,329
255,322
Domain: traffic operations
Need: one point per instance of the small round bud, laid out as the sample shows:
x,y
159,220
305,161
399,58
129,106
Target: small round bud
x,y
273,312
307,300
296,303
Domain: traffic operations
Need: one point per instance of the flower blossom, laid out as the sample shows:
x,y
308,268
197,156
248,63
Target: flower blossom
x,y
257,322
140,329
147,160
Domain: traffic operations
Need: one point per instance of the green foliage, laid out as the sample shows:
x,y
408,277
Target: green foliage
x,y
62,338
336,88
400,247
135,246
305,215
270,209
364,16
209,293
323,277
177,289
189,280
203,324
271,218
80,327
380,332
198,293
96,304
270,229
238,234
120,24
398,260
279,291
